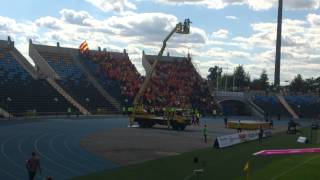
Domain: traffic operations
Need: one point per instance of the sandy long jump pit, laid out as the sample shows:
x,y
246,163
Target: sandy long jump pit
x,y
126,146
134,145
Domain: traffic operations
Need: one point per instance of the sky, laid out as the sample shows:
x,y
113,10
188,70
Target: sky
x,y
226,33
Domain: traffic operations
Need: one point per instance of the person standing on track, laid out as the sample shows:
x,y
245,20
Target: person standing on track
x,y
205,132
225,119
33,165
239,127
260,134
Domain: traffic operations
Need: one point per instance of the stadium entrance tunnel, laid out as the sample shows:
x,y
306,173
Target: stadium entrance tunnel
x,y
234,108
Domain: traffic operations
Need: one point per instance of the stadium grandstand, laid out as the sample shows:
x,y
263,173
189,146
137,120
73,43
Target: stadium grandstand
x,y
22,92
65,71
102,82
271,105
306,106
176,83
115,72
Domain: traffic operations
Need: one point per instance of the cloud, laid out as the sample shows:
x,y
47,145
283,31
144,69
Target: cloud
x,y
143,31
75,17
300,44
216,4
118,6
313,19
49,22
221,33
231,17
256,5
146,31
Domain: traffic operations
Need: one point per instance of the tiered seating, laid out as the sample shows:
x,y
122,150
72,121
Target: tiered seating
x,y
305,106
76,84
116,74
270,105
177,84
20,94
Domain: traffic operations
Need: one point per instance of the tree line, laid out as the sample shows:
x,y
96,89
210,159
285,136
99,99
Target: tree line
x,y
239,80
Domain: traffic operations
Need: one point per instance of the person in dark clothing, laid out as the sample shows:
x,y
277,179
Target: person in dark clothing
x,y
279,116
225,121
33,165
193,122
260,134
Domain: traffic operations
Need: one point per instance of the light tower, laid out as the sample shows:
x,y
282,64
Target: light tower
x,y
278,46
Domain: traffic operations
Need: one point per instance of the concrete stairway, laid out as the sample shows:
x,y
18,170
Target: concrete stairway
x,y
287,106
255,109
24,62
116,105
58,88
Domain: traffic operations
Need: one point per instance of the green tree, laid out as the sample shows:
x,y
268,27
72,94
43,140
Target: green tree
x,y
298,84
226,82
262,83
214,75
241,77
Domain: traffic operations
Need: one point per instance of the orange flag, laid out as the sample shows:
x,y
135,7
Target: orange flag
x,y
84,47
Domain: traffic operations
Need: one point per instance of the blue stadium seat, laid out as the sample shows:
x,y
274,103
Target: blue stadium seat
x,y
26,94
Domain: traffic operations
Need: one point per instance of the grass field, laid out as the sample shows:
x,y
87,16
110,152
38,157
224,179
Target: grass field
x,y
225,163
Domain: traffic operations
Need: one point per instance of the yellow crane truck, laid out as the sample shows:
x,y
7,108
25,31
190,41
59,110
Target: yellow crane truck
x,y
178,119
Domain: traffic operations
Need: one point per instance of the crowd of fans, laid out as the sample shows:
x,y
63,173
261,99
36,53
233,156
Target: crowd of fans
x,y
175,83
118,67
178,84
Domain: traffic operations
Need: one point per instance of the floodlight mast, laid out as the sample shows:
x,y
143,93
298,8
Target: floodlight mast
x,y
181,28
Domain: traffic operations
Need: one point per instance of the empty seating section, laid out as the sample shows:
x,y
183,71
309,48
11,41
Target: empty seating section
x,y
20,94
116,74
271,105
178,84
74,81
305,106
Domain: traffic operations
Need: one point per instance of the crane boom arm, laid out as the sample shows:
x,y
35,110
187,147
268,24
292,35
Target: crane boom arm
x,y
179,28
152,69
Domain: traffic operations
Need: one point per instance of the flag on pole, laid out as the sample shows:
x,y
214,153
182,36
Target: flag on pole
x,y
246,167
84,47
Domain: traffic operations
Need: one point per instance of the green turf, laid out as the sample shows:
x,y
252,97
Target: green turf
x,y
225,163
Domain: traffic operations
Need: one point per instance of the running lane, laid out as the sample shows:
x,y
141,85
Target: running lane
x,y
57,143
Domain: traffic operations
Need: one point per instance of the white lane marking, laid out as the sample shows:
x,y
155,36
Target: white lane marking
x,y
51,160
8,158
75,154
64,157
295,167
43,166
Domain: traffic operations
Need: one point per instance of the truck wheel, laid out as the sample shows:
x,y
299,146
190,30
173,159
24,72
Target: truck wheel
x,y
182,127
150,125
175,126
142,125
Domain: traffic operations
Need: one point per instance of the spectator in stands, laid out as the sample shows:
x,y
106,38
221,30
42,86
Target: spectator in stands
x,y
33,166
177,84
